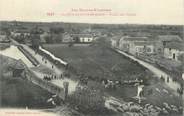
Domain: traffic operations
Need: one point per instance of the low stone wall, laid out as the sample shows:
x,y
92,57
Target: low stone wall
x,y
28,55
174,72
159,63
146,58
57,63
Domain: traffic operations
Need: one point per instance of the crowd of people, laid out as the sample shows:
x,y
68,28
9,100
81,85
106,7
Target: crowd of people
x,y
52,77
107,83
179,90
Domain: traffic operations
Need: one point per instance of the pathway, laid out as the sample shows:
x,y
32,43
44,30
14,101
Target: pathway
x,y
50,66
155,70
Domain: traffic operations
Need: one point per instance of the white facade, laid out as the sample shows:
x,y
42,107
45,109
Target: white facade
x,y
16,34
86,39
139,49
114,43
124,45
134,47
131,48
171,53
150,49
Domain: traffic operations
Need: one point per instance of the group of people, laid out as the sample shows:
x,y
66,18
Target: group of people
x,y
52,77
44,60
167,79
108,83
105,82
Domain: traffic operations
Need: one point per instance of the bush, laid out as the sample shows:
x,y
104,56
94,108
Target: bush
x,y
88,100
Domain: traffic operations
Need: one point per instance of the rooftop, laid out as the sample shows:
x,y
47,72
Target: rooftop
x,y
175,45
82,35
118,37
22,31
169,38
140,43
3,38
127,38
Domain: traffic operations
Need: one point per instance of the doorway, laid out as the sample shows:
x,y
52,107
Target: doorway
x,y
174,56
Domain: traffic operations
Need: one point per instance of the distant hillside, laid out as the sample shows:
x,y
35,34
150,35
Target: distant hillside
x,y
128,28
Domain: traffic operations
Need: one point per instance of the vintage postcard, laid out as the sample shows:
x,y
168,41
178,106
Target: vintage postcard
x,y
91,57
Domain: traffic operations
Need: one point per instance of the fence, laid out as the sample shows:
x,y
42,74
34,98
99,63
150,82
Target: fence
x,y
60,65
87,99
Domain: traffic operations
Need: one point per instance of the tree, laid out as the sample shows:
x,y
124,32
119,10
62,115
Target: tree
x,y
87,99
76,39
6,30
35,38
56,30
48,39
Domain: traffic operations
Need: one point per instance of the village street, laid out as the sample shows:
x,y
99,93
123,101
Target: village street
x,y
110,99
155,70
72,84
50,66
57,71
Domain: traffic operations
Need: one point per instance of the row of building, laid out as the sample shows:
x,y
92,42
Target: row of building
x,y
82,38
169,46
64,37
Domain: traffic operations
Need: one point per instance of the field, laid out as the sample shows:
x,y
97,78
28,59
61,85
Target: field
x,y
97,61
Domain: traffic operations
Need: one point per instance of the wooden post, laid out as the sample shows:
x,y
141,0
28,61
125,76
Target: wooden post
x,y
66,84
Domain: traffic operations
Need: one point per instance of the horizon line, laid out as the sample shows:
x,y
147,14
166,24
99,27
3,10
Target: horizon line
x,y
158,24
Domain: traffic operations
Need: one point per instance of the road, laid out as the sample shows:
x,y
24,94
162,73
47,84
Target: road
x,y
155,70
57,71
73,84
54,68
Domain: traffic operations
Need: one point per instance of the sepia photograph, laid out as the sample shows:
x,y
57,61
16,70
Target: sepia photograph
x,y
91,58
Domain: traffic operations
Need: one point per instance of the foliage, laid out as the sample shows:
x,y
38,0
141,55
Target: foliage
x,y
56,30
86,99
6,30
35,41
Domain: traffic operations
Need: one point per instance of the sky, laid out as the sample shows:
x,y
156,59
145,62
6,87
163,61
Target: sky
x,y
107,11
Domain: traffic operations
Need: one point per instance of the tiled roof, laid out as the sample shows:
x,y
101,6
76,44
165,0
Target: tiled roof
x,y
169,38
2,36
175,45
22,31
136,38
144,43
116,37
82,35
